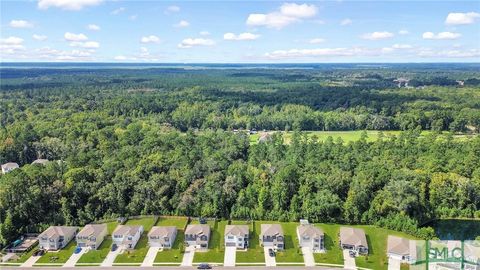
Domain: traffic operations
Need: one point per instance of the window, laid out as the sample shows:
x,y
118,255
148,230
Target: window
x,y
230,237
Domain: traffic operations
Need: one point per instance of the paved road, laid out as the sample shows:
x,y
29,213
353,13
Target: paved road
x,y
269,261
169,268
348,262
188,256
150,257
308,256
230,256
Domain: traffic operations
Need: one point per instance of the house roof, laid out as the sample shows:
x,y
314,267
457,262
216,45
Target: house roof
x,y
162,231
9,165
127,230
398,245
198,229
55,231
92,230
309,230
271,229
237,230
40,161
353,236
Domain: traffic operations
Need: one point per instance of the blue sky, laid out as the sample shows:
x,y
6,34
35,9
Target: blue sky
x,y
240,31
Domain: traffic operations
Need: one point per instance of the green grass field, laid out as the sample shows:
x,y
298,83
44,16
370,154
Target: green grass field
x,y
333,253
216,249
254,253
175,254
58,256
97,256
178,222
137,255
24,257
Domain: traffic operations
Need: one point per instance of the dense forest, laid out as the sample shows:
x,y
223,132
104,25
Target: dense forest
x,y
160,141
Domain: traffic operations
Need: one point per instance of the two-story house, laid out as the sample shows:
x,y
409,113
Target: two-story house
x,y
162,236
197,235
91,236
271,235
310,236
236,236
126,237
353,239
56,237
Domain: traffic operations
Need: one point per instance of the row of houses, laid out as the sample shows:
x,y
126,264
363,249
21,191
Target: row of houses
x,y
10,166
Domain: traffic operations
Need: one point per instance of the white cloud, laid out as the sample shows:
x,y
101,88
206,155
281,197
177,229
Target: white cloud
x,y
182,24
75,37
118,11
346,21
287,14
93,27
192,42
429,53
377,35
67,4
39,37
172,9
86,44
298,53
11,45
150,39
120,58
205,33
316,41
461,18
403,32
402,46
242,36
11,41
133,17
441,35
20,24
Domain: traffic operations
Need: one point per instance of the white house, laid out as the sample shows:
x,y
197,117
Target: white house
x,y
271,235
127,236
197,235
8,167
56,237
92,236
236,236
40,161
310,236
162,236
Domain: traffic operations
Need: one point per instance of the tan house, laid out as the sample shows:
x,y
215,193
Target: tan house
x,y
197,235
126,236
310,236
91,236
8,167
56,237
271,235
40,161
162,236
353,239
236,236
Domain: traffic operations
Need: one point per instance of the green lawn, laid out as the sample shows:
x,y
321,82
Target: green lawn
x,y
178,222
146,222
111,226
175,254
24,257
97,256
59,256
292,252
254,253
216,249
333,253
138,254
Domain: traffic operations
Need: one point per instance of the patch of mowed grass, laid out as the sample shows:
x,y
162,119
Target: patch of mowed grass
x,y
97,256
180,223
334,254
216,249
60,256
292,252
175,254
254,253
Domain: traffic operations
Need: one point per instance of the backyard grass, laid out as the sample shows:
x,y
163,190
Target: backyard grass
x,y
97,256
111,226
59,257
180,223
175,254
137,255
216,249
333,253
292,252
24,257
254,253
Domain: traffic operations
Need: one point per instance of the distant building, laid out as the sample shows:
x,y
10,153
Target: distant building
x,y
197,235
353,239
236,236
271,235
402,82
92,236
56,237
127,237
460,83
8,167
310,236
40,161
162,236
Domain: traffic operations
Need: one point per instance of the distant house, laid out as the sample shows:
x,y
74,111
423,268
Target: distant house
x,y
401,249
40,161
197,235
162,236
126,236
264,137
8,167
271,235
353,239
311,237
236,236
56,237
402,82
91,236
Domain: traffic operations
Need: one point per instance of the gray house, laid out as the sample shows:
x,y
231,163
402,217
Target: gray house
x,y
271,235
353,239
311,237
56,237
91,236
197,235
162,236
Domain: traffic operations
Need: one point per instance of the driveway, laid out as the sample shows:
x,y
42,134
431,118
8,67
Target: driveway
x,y
230,256
188,256
150,257
308,256
30,261
269,261
393,264
348,262
74,258
111,257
